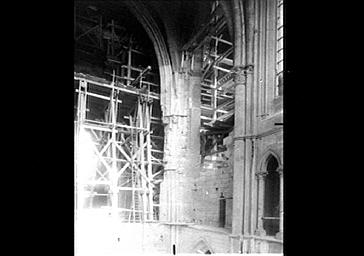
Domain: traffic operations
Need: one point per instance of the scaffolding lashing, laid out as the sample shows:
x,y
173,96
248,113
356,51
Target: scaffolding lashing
x,y
123,175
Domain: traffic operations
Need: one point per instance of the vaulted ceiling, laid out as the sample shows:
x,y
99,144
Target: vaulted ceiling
x,y
177,20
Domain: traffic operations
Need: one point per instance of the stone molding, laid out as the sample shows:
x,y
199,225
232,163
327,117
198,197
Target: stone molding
x,y
259,135
280,170
240,73
261,175
172,118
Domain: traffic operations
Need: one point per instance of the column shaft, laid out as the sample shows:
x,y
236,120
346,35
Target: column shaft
x,y
261,183
239,151
280,233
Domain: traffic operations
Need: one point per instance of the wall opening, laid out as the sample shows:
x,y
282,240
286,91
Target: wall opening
x,y
271,197
222,210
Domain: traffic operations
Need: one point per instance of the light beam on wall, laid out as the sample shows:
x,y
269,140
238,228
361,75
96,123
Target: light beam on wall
x,y
87,162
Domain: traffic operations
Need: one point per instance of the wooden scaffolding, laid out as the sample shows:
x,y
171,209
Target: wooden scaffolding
x,y
213,45
217,92
118,130
125,155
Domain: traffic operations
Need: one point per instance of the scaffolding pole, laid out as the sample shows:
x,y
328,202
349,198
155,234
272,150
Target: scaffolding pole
x,y
217,96
123,153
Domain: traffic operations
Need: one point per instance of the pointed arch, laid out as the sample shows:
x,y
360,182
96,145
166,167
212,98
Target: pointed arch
x,y
265,158
164,61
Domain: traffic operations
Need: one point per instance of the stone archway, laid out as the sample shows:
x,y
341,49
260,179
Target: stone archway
x,y
160,48
270,195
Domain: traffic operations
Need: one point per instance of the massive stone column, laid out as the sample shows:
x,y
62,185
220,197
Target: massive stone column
x,y
171,192
242,152
181,154
244,122
239,154
175,155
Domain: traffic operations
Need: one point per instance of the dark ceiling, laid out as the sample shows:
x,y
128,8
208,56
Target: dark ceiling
x,y
185,17
90,57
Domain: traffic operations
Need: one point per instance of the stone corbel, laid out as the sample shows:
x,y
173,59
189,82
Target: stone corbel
x,y
260,175
171,119
240,73
280,170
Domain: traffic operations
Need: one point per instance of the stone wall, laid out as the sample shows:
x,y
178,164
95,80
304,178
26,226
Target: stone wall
x,y
267,246
215,179
193,238
98,234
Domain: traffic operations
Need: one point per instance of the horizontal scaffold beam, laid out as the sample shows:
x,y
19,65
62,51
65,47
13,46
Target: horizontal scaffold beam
x,y
119,87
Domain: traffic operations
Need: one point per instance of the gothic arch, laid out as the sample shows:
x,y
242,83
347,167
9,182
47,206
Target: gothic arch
x,y
160,48
265,158
243,25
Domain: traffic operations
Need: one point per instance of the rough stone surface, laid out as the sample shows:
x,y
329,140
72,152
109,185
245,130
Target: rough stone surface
x,y
215,177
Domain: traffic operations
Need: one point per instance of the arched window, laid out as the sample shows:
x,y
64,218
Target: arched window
x,y
279,49
271,197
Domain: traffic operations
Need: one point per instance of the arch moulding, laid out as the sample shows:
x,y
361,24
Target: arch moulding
x,y
264,157
164,62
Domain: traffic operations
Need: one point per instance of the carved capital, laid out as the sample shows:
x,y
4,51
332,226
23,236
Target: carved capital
x,y
260,232
240,73
249,69
165,120
261,175
239,79
174,119
170,119
280,170
279,235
